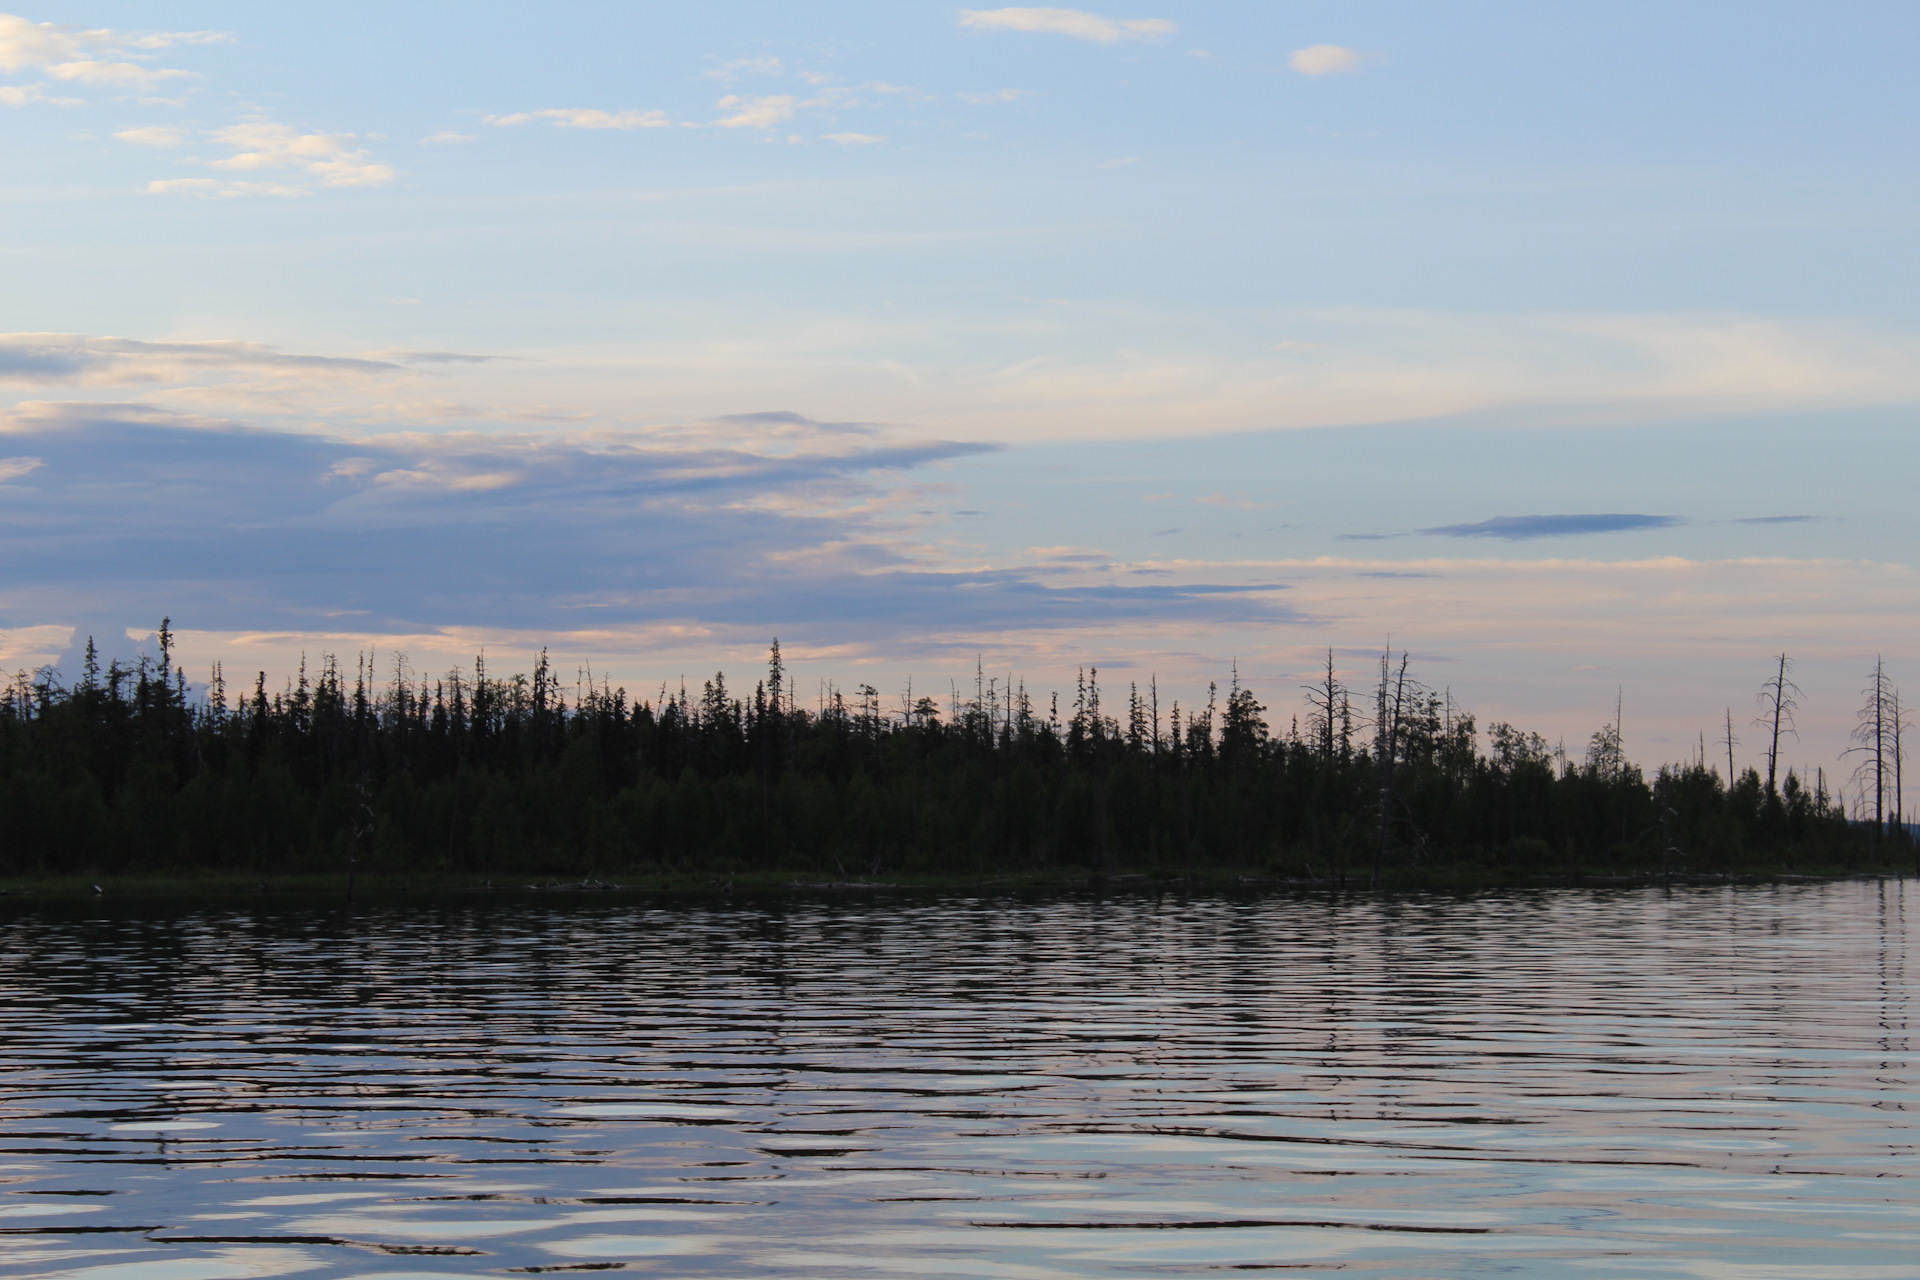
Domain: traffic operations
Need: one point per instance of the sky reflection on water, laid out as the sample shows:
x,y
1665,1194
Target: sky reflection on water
x,y
1711,1083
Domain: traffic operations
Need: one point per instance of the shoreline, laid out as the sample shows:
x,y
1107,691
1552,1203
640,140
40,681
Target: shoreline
x,y
333,889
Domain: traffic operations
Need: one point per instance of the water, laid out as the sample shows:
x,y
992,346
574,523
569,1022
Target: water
x,y
1714,1083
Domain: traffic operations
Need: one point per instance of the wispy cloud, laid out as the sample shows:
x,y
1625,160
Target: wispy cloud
x,y
19,95
225,190
1069,555
787,422
81,360
447,137
1353,365
153,135
263,144
586,118
436,357
14,468
996,96
755,113
1067,22
736,110
731,71
258,146
854,139
1518,528
1325,60
300,162
1778,520
1234,501
99,56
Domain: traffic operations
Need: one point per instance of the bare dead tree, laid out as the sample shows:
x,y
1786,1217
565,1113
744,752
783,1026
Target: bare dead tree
x,y
1900,727
1324,697
1871,738
1897,726
1153,698
1779,698
1386,739
1730,742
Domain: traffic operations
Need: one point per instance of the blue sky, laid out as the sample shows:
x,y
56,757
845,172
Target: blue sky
x,y
1574,347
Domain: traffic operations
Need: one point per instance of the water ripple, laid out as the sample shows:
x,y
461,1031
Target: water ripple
x,y
1716,1082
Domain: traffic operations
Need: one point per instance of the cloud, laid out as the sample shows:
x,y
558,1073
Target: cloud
x,y
1325,60
72,55
1778,520
1067,22
755,113
153,135
19,95
437,357
1121,163
1069,554
988,99
447,136
367,391
787,422
768,66
628,526
14,468
1352,365
587,118
1516,528
79,360
263,144
854,139
738,111
627,533
1522,528
213,187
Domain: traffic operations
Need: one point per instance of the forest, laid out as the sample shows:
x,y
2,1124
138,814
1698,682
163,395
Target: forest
x,y
130,771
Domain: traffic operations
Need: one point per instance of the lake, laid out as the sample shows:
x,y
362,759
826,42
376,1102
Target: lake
x,y
1712,1081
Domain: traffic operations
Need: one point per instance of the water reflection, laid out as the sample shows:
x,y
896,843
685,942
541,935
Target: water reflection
x,y
1715,1082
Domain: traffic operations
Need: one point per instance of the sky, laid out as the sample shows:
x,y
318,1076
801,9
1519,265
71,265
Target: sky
x,y
1573,348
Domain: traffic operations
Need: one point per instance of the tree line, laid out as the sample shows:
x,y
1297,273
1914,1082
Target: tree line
x,y
128,770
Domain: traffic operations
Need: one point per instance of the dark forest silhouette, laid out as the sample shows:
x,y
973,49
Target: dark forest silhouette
x,y
125,772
